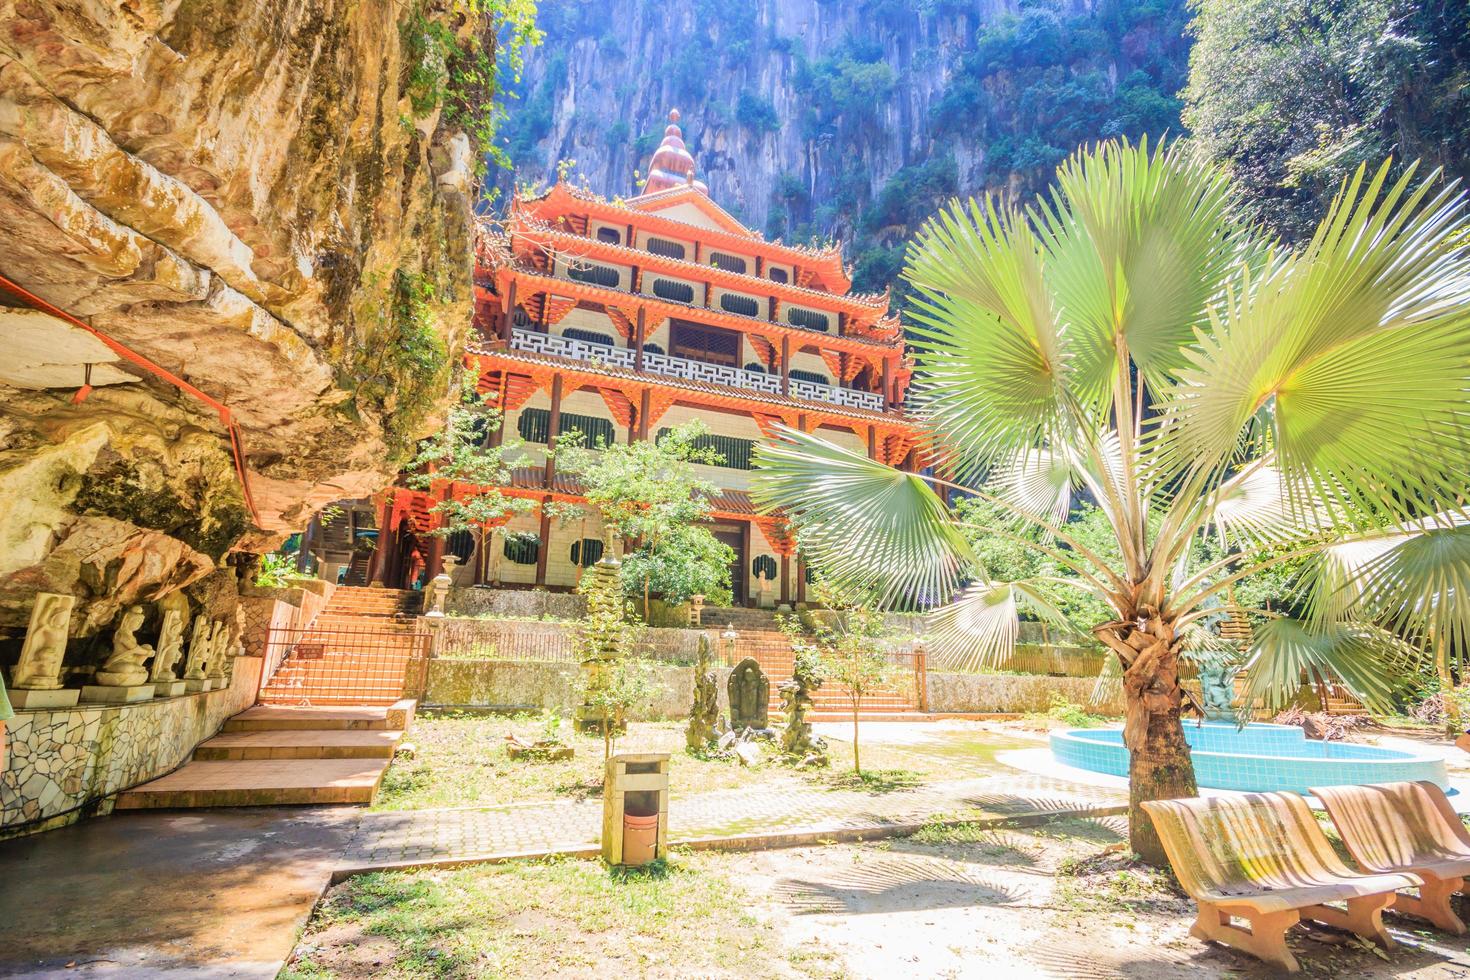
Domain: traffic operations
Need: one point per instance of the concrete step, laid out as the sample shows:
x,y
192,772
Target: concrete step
x,y
268,718
276,782
299,745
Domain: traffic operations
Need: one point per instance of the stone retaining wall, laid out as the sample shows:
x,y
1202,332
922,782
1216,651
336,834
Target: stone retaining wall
x,y
529,640
530,603
1011,693
548,686
65,764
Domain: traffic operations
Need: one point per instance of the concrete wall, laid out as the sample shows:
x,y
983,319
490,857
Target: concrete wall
x,y
65,764
1011,693
543,686
527,603
520,640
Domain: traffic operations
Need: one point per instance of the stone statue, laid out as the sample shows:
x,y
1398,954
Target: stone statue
x,y
39,668
750,693
704,718
198,657
170,647
796,697
1217,684
124,667
219,648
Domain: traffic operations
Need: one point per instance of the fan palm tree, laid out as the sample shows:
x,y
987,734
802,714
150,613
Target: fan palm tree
x,y
1132,337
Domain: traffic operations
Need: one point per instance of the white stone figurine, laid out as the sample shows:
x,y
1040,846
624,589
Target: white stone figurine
x,y
198,657
124,668
170,647
219,649
39,668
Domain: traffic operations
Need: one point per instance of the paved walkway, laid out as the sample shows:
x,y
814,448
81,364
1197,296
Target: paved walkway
x,y
430,836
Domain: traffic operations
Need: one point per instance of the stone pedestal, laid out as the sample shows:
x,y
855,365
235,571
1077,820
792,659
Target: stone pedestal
x,y
199,687
103,694
169,689
37,698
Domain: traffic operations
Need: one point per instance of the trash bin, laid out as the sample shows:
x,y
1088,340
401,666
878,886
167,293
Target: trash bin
x,y
635,808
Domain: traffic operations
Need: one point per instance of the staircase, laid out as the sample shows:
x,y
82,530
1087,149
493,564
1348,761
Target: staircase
x,y
357,652
771,649
273,756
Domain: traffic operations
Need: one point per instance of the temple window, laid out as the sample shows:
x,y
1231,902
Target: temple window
x,y
739,305
609,235
734,452
588,336
598,275
666,248
808,319
534,425
797,374
780,275
698,342
728,262
586,552
522,549
677,292
764,566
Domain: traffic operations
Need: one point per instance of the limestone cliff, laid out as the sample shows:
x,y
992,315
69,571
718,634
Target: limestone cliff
x,y
247,193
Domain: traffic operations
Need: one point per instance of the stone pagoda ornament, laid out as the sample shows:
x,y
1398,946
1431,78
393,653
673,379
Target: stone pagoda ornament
x,y
36,680
122,677
797,740
439,587
704,719
170,649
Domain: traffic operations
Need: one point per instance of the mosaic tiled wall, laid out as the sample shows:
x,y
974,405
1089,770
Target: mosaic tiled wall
x,y
66,764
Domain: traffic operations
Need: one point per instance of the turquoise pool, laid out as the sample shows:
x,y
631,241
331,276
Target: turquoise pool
x,y
1256,758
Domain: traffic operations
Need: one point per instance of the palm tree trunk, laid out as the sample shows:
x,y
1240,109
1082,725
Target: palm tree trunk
x,y
857,765
1159,767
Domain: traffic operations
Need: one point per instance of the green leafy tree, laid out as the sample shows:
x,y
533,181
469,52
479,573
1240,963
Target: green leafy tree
x,y
1294,95
612,681
1132,335
650,494
852,654
462,451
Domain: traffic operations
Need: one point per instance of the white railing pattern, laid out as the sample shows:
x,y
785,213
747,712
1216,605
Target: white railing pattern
x,y
683,367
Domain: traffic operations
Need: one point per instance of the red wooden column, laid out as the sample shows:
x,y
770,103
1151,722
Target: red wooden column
x,y
553,425
888,399
872,442
785,579
508,324
639,337
545,548
644,408
785,365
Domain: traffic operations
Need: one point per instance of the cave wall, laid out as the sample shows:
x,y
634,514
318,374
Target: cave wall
x,y
244,194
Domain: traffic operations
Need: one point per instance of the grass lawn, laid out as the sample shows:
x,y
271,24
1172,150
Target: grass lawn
x,y
562,918
461,760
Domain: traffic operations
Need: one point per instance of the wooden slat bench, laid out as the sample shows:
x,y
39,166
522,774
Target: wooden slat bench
x,y
1406,827
1261,857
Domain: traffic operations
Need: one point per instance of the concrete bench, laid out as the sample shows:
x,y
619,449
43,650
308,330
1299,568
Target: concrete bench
x,y
1261,857
1406,828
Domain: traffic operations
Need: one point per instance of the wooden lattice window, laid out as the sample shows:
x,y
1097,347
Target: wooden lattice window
x,y
523,549
534,425
666,248
808,319
713,345
609,235
735,452
676,292
764,566
739,305
597,275
779,275
586,552
728,262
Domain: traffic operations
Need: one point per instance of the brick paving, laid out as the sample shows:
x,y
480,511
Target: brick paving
x,y
449,835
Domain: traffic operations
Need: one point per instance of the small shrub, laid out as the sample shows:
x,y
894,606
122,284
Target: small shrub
x,y
1071,713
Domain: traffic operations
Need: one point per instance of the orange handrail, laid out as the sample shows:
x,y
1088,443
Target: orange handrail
x,y
237,444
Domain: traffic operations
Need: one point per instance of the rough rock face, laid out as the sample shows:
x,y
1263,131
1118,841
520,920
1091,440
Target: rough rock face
x,y
242,193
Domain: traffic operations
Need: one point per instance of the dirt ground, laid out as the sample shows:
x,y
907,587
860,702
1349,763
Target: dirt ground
x,y
1060,901
1057,902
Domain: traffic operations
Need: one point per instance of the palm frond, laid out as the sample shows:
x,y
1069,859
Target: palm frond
x,y
1287,653
867,526
978,629
1254,509
1038,483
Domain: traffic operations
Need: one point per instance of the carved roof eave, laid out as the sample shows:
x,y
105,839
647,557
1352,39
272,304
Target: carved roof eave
x,y
541,282
827,261
860,304
695,391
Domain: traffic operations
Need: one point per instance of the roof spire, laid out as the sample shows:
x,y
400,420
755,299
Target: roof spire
x,y
672,165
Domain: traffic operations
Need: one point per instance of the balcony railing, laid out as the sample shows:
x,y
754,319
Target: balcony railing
x,y
683,367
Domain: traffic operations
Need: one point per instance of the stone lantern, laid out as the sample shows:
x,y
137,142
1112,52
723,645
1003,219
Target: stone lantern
x,y
439,588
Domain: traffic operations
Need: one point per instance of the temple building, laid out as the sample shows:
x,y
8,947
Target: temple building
x,y
620,318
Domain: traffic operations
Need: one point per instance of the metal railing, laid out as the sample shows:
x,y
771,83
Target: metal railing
x,y
345,664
